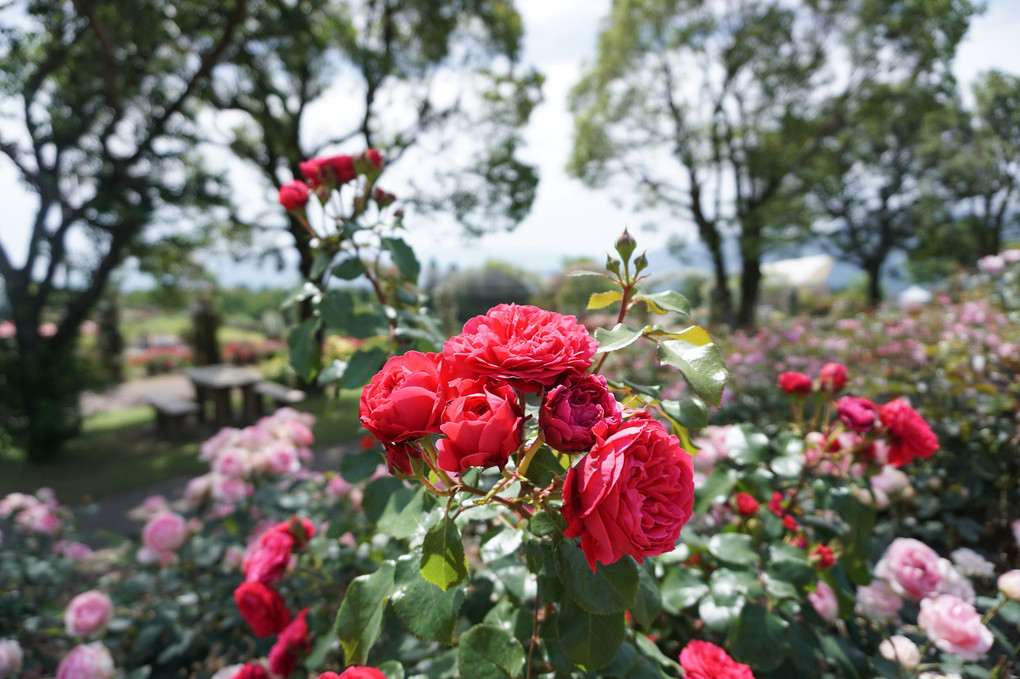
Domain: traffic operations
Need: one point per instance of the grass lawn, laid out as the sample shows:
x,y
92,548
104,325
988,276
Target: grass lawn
x,y
121,450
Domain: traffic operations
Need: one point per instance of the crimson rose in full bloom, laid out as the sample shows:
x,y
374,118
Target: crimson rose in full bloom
x,y
705,660
405,399
796,384
262,607
571,410
909,435
269,561
526,346
630,495
482,429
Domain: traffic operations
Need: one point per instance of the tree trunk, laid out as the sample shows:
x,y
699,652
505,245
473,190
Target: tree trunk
x,y
750,275
874,271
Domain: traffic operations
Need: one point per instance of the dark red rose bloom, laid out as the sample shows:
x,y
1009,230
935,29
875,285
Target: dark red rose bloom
x,y
526,346
746,504
328,171
252,671
270,559
482,429
776,503
790,523
705,660
571,411
405,400
302,530
262,607
294,195
630,495
824,557
399,456
908,434
857,413
796,384
292,642
832,377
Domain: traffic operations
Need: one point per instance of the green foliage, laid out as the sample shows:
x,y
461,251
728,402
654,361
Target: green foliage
x,y
473,292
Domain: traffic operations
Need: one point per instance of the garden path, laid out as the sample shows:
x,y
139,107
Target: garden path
x,y
133,393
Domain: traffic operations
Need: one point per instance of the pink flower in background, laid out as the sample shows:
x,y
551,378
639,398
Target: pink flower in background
x,y
233,557
711,447
878,601
40,518
269,561
88,613
1009,584
7,330
954,626
992,264
230,490
165,532
911,568
972,564
234,462
228,436
87,661
1016,531
75,551
795,383
900,649
824,601
16,502
11,657
857,413
954,582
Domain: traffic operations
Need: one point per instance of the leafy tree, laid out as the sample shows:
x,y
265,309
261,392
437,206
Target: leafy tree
x,y
711,109
100,131
404,60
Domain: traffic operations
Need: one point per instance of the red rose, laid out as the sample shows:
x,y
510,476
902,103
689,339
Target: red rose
x,y
370,161
630,495
405,399
909,435
293,640
357,673
251,671
399,456
570,412
294,195
270,559
301,530
529,347
746,504
796,384
823,556
705,660
328,171
857,413
482,429
790,523
262,607
832,377
776,503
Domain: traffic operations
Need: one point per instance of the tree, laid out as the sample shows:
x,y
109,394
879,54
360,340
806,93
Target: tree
x,y
100,132
404,52
711,109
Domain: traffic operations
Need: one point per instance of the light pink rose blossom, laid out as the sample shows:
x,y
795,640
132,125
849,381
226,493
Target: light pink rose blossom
x,y
972,564
198,489
954,582
88,614
954,626
87,661
902,650
911,568
229,490
16,502
165,532
878,601
1009,584
991,264
40,518
233,462
11,657
824,601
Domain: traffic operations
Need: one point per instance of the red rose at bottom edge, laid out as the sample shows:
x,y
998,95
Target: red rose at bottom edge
x,y
705,660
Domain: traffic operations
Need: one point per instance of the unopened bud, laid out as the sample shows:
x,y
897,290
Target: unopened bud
x,y
625,245
612,265
641,262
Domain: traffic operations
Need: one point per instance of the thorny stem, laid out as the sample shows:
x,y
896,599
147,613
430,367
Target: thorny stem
x,y
628,289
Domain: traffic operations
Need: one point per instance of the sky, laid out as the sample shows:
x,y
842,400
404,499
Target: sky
x,y
567,219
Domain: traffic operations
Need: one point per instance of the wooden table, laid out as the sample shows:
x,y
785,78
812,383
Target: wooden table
x,y
217,382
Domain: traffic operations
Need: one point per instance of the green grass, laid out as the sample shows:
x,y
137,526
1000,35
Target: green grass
x,y
121,450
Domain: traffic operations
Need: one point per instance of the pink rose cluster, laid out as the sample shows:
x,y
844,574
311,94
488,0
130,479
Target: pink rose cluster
x,y
162,535
325,173
38,514
632,490
275,446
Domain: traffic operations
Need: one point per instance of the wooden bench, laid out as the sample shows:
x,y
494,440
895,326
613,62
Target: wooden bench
x,y
171,410
278,394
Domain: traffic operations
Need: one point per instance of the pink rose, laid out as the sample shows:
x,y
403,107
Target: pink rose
x,y
41,519
357,672
878,601
165,532
88,614
230,490
705,660
857,413
529,347
911,568
711,447
832,377
630,495
900,649
954,626
909,435
11,657
571,411
294,195
482,429
87,661
233,462
405,400
824,601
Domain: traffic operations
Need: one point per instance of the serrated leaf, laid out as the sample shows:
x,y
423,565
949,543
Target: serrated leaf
x,y
691,413
360,618
429,612
600,300
609,589
668,300
619,337
702,367
588,640
443,562
488,652
403,256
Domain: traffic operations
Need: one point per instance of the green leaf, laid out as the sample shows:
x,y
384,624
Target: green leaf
x,y
349,269
609,589
501,542
589,640
336,308
735,548
716,488
392,669
319,264
682,588
702,367
358,465
619,337
429,612
305,291
718,615
362,367
365,324
443,562
579,273
403,511
305,352
649,599
600,300
360,618
403,257
728,585
746,445
545,467
488,652
378,495
690,412
332,372
669,300
759,638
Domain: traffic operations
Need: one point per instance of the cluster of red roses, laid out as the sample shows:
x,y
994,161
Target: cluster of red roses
x,y
263,607
329,172
897,434
630,494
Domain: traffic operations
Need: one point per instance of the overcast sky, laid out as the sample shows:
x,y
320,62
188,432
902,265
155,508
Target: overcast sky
x,y
567,219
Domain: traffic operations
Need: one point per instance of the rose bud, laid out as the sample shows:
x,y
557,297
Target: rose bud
x,y
794,383
746,504
294,195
